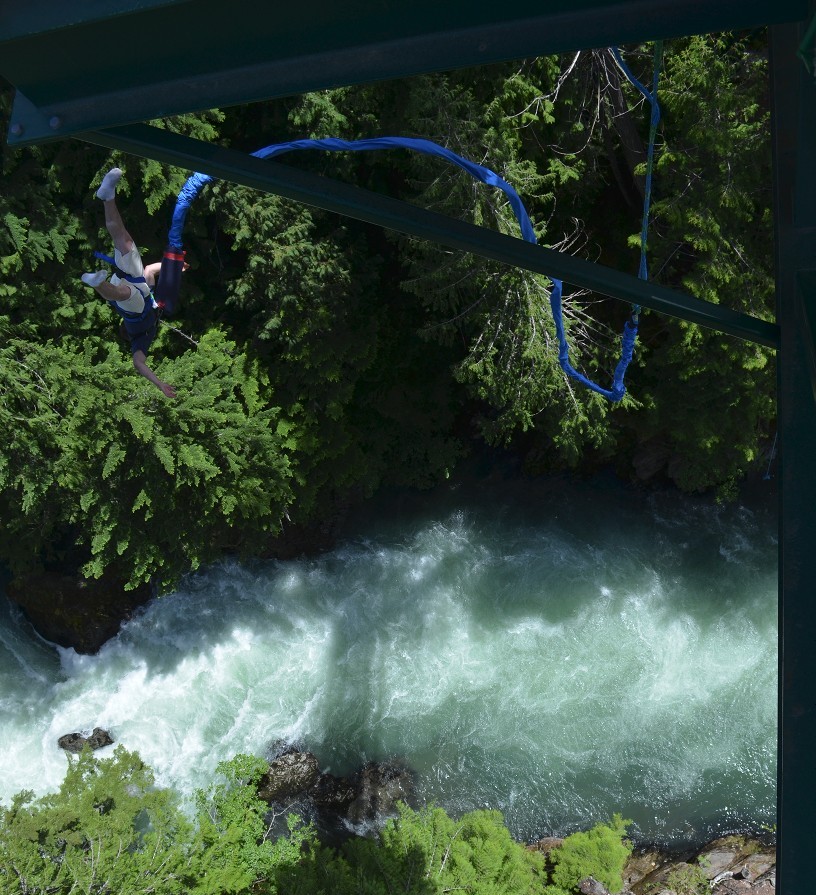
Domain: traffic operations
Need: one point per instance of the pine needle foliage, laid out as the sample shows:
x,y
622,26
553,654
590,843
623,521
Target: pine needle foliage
x,y
107,829
711,236
135,481
601,852
234,848
427,851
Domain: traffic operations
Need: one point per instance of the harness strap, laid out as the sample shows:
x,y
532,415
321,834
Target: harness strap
x,y
149,298
118,270
136,327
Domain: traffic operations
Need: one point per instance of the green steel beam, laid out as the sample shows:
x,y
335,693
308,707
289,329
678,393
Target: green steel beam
x,y
806,291
23,19
321,192
210,53
793,94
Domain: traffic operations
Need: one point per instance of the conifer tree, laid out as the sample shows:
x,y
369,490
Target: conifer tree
x,y
107,829
711,397
103,465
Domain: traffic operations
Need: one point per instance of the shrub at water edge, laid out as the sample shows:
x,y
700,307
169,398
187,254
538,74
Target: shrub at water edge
x,y
110,829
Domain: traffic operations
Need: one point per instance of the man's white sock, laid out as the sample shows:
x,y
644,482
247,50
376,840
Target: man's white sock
x,y
109,182
94,279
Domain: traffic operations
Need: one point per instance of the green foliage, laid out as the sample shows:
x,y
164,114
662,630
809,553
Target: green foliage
x,y
710,396
38,232
296,295
601,852
428,852
144,484
689,879
492,323
501,316
236,853
108,829
372,402
159,184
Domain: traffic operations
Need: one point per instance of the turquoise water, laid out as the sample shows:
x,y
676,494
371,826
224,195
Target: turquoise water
x,y
558,650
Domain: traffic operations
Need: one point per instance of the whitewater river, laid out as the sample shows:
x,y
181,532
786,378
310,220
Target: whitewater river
x,y
558,650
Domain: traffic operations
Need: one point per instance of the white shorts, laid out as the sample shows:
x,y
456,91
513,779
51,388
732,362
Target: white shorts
x,y
131,264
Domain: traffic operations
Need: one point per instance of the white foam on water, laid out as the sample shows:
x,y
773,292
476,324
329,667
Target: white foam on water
x,y
553,668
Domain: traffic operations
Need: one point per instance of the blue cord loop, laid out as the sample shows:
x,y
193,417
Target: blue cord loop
x,y
197,182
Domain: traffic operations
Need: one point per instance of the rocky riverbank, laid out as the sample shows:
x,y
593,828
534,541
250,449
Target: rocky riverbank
x,y
729,865
80,613
76,612
342,807
339,807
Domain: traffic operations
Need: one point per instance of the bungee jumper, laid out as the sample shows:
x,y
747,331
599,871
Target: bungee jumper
x,y
129,290
173,261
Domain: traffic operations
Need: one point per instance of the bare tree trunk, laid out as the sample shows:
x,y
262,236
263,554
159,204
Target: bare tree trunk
x,y
621,119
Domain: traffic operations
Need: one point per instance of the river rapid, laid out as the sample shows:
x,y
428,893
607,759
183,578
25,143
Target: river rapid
x,y
557,649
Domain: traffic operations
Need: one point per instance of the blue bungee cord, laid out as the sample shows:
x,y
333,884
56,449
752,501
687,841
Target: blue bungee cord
x,y
651,96
173,259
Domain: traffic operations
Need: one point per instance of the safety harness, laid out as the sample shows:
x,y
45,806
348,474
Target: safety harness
x,y
135,324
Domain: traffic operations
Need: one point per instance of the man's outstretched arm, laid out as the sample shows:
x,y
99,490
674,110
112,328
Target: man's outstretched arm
x,y
140,362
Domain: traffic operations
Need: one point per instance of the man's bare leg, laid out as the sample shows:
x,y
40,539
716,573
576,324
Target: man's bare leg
x,y
122,240
119,292
110,292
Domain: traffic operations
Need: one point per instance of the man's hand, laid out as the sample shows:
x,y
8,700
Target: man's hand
x,y
166,389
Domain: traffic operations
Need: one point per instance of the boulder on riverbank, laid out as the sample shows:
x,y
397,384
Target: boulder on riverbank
x,y
288,776
75,612
379,786
364,798
547,844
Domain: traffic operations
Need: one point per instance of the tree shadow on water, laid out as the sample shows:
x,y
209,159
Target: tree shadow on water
x,y
362,866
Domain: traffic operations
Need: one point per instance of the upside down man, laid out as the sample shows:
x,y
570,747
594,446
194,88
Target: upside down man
x,y
129,289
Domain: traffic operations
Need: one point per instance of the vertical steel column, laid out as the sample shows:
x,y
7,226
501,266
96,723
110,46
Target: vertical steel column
x,y
794,144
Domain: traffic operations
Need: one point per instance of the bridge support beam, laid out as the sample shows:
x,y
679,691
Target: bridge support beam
x,y
322,192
